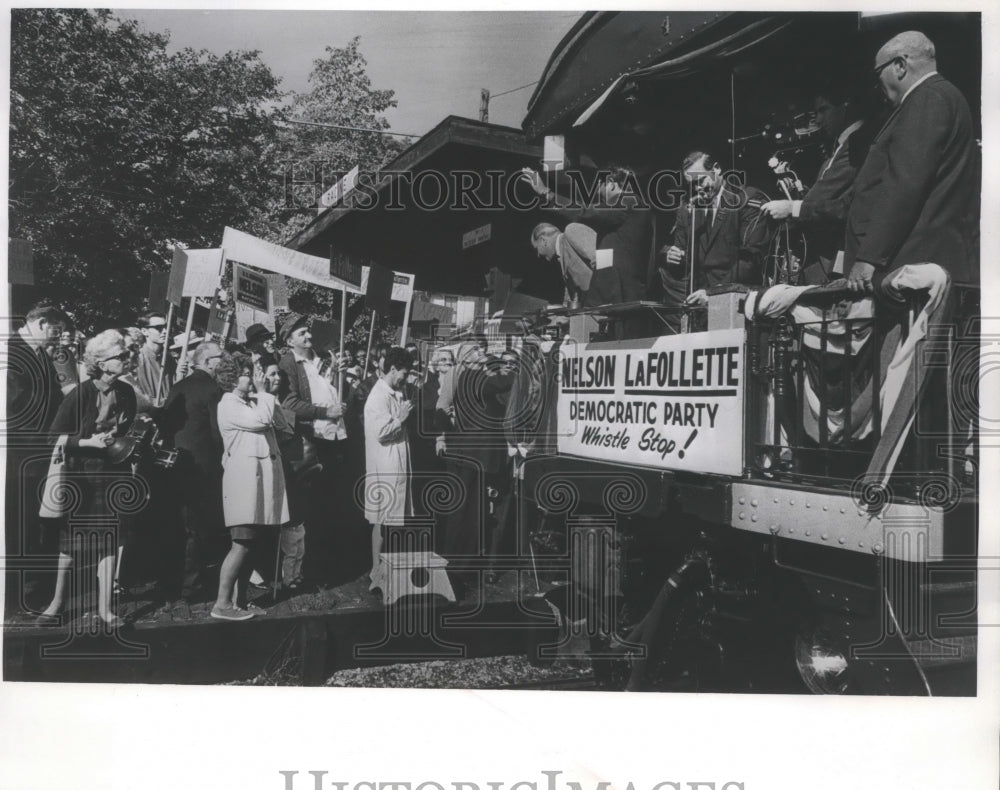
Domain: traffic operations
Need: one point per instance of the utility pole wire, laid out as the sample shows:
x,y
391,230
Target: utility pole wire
x,y
514,90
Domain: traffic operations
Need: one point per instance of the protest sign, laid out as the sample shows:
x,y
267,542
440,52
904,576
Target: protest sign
x,y
250,288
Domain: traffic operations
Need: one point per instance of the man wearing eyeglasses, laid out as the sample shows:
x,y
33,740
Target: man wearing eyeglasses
x,y
190,424
917,193
147,373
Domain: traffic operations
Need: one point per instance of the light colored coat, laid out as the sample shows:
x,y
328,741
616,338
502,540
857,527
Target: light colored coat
x,y
253,485
388,497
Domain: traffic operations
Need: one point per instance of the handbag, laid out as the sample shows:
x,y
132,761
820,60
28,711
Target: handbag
x,y
54,498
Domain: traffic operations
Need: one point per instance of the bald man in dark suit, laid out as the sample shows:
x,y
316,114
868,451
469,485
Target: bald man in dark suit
x,y
916,197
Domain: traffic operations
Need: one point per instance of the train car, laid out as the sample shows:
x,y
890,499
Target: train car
x,y
782,495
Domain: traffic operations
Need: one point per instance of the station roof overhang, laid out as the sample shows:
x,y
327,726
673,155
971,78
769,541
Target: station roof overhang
x,y
387,224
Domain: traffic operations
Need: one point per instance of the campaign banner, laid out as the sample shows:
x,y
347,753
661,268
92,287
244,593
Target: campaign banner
x,y
676,403
250,288
260,254
158,283
402,284
245,316
279,291
195,273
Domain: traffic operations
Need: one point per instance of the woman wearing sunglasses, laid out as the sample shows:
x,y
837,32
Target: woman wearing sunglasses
x,y
96,487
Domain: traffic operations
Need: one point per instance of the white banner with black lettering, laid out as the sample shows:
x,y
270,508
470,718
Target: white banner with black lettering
x,y
671,403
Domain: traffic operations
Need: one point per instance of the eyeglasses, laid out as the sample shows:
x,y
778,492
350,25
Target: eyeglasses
x,y
120,357
159,327
877,73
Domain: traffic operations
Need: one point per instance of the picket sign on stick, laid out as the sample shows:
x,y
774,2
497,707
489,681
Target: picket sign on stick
x,y
182,364
406,319
343,329
368,353
166,351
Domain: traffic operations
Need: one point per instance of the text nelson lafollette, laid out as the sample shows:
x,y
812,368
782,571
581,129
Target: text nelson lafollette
x,y
677,387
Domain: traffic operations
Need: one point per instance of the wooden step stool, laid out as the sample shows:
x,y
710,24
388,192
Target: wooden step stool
x,y
412,573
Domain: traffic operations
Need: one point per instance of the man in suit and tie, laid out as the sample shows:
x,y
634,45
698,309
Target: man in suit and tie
x,y
916,197
730,233
33,398
190,422
823,211
575,252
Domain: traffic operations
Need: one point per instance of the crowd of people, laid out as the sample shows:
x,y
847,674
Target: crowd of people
x,y
286,465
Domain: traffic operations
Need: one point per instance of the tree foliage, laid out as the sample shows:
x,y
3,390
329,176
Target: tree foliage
x,y
118,148
340,93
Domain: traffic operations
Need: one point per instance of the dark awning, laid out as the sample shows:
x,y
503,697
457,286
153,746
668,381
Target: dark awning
x,y
605,46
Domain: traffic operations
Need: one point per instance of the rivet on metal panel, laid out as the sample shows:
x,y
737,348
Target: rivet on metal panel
x,y
808,505
753,503
825,508
743,500
753,518
861,512
841,541
877,548
791,502
742,515
843,510
775,528
861,544
808,533
776,500
824,536
791,530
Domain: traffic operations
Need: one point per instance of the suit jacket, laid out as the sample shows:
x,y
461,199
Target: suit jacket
x,y
824,208
190,421
730,250
916,197
33,392
586,286
628,232
298,398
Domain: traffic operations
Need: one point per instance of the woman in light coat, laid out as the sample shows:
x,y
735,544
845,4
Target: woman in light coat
x,y
388,498
253,485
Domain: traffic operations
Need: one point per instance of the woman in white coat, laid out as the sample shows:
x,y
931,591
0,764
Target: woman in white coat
x,y
388,498
253,485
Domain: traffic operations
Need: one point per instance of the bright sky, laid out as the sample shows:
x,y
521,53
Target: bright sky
x,y
436,62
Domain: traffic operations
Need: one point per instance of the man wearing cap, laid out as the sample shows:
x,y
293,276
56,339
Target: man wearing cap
x,y
150,361
314,401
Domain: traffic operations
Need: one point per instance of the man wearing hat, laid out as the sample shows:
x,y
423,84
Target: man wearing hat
x,y
193,339
315,402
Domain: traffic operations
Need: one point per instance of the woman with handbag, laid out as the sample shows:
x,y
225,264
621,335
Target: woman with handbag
x,y
90,419
253,485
